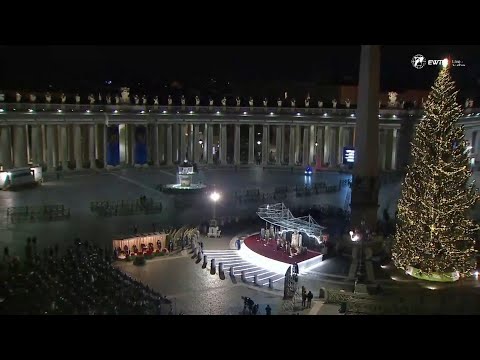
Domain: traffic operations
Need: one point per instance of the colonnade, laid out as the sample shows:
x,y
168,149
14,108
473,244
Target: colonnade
x,y
76,146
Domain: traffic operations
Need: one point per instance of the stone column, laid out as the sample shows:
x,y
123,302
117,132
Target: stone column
x,y
364,203
51,155
382,149
265,145
320,145
197,153
182,153
155,146
394,149
63,146
251,144
98,142
223,144
278,145
236,146
341,144
132,143
77,139
326,145
312,140
291,147
5,147
19,146
175,142
104,143
161,144
91,146
191,142
37,145
306,146
282,144
298,136
210,143
169,151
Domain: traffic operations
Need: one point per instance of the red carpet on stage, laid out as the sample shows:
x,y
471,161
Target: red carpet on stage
x,y
270,251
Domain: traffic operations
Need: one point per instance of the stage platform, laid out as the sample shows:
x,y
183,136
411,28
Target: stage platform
x,y
268,257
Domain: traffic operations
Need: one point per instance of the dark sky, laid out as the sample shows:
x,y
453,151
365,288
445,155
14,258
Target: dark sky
x,y
89,66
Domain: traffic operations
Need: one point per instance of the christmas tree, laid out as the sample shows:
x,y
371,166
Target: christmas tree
x,y
434,233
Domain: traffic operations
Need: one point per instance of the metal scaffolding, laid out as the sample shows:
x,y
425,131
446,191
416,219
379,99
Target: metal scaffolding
x,y
279,215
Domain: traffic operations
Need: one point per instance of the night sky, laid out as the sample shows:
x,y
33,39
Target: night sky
x,y
36,67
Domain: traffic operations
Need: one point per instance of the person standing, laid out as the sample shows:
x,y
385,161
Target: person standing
x,y
268,310
309,299
304,298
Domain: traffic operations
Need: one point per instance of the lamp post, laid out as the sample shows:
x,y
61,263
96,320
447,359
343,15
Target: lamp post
x,y
214,197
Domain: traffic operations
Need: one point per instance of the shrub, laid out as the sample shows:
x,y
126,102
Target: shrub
x,y
139,260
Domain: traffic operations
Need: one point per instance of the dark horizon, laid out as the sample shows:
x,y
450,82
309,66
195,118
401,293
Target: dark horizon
x,y
83,67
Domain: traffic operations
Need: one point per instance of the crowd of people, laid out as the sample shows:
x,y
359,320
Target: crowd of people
x,y
83,281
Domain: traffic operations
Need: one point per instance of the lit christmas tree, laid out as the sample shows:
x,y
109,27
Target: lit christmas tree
x,y
435,236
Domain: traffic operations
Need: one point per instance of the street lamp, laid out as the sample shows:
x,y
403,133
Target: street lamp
x,y
316,144
259,142
214,197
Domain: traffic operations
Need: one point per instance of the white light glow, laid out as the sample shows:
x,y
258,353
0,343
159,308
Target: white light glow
x,y
324,114
191,112
164,111
394,116
244,113
352,115
1,110
142,112
445,62
115,111
88,111
298,114
259,142
218,112
271,113
30,110
57,110
214,196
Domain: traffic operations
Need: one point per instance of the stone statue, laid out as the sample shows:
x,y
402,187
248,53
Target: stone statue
x,y
250,102
169,100
136,99
63,98
99,97
470,104
238,101
155,100
48,97
125,95
182,100
392,99
467,103
402,104
307,102
18,97
197,100
334,103
265,102
117,99
320,104
347,103
33,97
77,98
379,104
144,99
109,99
224,101
279,102
91,99
292,103
210,102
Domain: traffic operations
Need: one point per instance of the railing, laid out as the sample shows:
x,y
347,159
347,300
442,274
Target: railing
x,y
242,111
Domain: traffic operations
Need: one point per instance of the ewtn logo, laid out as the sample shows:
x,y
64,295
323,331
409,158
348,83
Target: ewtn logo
x,y
419,61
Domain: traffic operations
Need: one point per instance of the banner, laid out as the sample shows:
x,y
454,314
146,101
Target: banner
x,y
141,153
113,145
